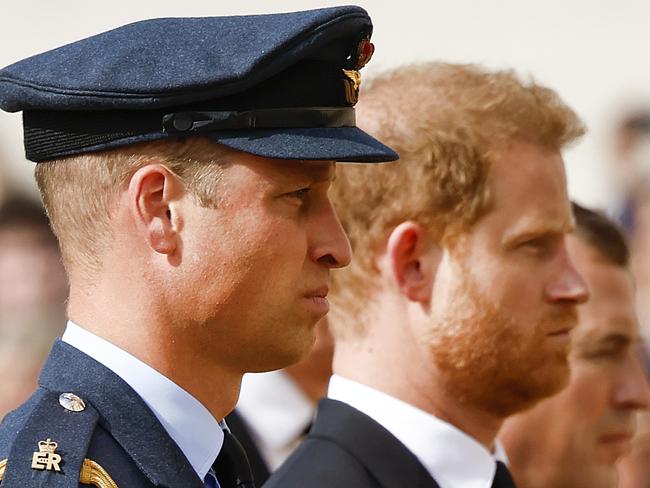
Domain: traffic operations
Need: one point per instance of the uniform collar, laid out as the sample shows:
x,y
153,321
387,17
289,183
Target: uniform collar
x,y
184,418
452,457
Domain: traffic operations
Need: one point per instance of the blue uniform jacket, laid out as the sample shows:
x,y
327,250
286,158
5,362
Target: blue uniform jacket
x,y
114,441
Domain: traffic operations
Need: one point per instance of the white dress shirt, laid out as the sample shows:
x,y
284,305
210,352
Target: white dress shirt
x,y
453,458
277,413
186,420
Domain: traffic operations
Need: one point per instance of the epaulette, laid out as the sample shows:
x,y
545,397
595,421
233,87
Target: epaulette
x,y
49,445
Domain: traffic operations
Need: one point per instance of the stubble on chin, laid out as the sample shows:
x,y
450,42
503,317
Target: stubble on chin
x,y
486,360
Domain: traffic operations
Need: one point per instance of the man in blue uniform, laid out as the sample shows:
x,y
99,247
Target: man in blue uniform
x,y
184,164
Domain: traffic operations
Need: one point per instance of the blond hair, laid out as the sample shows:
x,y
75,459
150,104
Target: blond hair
x,y
446,121
79,192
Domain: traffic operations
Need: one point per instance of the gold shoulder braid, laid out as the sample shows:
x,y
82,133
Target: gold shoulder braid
x,y
91,474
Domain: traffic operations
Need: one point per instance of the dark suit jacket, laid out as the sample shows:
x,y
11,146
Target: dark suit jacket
x,y
116,429
347,449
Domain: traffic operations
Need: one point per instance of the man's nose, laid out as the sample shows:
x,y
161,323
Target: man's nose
x,y
330,245
632,391
569,287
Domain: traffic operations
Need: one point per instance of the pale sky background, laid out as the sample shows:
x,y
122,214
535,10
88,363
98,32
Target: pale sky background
x,y
595,53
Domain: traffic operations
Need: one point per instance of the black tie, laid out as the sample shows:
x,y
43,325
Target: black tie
x,y
502,478
231,466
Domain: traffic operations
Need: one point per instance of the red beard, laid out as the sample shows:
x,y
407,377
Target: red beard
x,y
488,361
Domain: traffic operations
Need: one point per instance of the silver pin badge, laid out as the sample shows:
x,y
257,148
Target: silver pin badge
x,y
71,402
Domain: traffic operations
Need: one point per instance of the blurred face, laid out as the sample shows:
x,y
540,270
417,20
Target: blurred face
x,y
505,295
30,269
591,422
257,266
606,369
33,290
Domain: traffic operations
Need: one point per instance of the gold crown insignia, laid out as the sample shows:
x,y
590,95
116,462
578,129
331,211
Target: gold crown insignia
x,y
47,446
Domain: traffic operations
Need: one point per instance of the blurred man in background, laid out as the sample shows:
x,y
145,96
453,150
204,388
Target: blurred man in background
x,y
276,409
33,290
456,310
574,439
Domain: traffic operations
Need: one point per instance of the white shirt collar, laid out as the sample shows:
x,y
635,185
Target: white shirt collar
x,y
452,457
277,412
185,419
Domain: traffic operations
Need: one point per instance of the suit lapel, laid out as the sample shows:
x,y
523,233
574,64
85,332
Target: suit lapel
x,y
122,413
385,457
240,430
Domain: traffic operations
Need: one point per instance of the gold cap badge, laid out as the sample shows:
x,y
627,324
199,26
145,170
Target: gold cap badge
x,y
352,82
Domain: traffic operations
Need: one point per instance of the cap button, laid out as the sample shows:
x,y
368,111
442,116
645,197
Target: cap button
x,y
71,402
183,122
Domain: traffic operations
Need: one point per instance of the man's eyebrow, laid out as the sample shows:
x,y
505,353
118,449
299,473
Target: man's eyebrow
x,y
517,236
613,339
616,339
322,178
320,174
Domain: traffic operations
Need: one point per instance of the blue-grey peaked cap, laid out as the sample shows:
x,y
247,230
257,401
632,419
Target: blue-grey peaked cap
x,y
277,85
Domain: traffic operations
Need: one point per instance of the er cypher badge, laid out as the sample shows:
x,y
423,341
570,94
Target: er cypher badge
x,y
46,457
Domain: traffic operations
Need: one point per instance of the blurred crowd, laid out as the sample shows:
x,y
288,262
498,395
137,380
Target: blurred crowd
x,y
632,164
33,291
606,388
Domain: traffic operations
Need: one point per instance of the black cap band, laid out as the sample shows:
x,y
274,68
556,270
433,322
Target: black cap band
x,y
184,123
52,134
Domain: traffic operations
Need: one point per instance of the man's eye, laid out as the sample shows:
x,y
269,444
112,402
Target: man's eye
x,y
536,244
300,194
533,245
606,352
539,247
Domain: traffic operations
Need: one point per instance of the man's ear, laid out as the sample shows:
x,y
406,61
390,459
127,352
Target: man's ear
x,y
412,258
152,191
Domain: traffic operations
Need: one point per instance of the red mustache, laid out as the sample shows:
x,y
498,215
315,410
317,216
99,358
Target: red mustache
x,y
559,321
